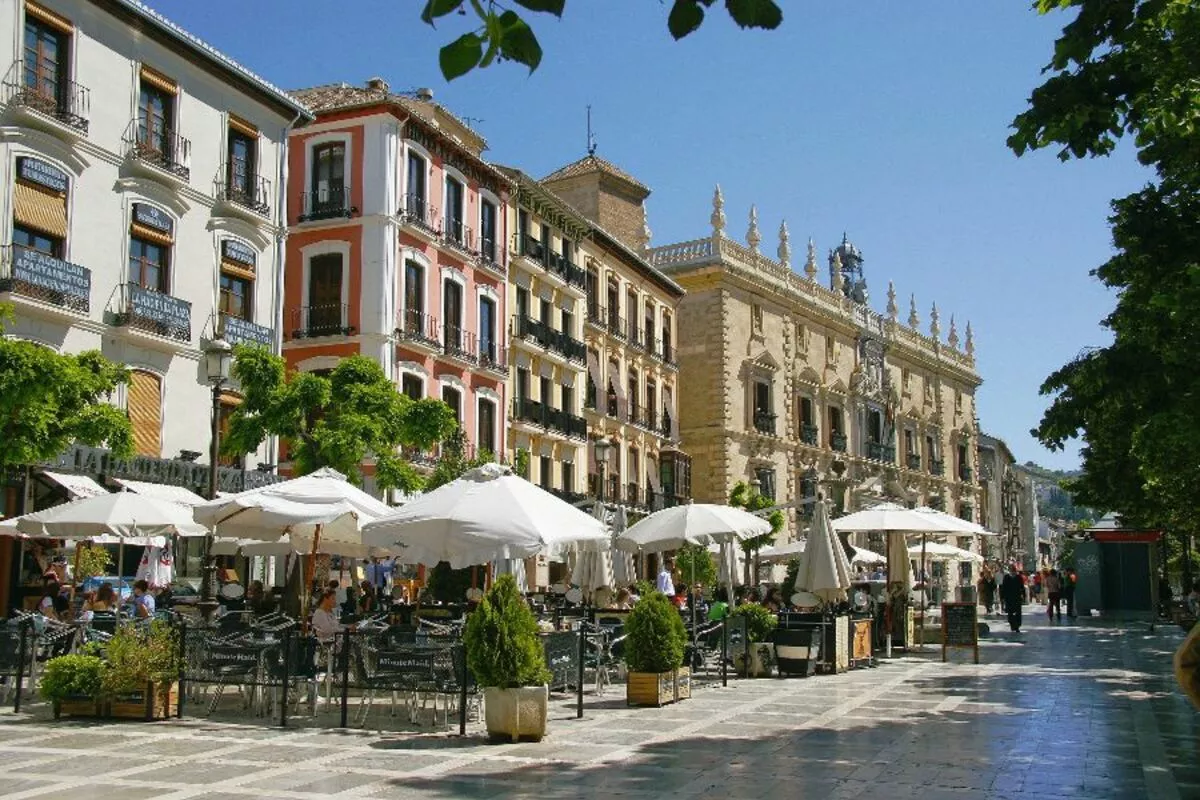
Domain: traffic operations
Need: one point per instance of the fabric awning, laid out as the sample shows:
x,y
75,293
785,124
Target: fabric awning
x,y
162,491
77,486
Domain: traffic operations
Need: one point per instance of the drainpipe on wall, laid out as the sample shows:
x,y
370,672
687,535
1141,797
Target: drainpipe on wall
x,y
281,255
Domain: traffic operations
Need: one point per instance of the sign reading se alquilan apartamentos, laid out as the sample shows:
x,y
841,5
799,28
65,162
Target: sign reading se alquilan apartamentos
x,y
48,272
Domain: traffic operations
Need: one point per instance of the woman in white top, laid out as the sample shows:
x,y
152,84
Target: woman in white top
x,y
325,623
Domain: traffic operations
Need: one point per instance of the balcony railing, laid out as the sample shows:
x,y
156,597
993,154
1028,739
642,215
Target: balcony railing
x,y
153,312
248,191
555,263
540,332
31,273
596,314
549,417
493,357
159,147
62,100
669,355
458,343
634,413
808,433
417,211
459,235
764,422
837,441
877,451
417,326
635,336
309,322
492,256
329,203
937,466
666,428
616,325
913,460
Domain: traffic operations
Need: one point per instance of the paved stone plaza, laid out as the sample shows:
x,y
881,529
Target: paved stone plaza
x,y
1074,710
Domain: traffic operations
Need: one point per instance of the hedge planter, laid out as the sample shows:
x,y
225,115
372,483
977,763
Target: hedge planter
x,y
152,704
78,707
761,660
516,715
658,688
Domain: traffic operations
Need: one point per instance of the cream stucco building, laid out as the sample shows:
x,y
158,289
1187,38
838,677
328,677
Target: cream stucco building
x,y
798,385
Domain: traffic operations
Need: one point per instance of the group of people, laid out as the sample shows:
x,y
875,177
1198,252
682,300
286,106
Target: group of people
x,y
1050,587
56,602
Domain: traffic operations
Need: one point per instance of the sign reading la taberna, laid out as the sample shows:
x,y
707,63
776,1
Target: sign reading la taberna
x,y
162,308
48,272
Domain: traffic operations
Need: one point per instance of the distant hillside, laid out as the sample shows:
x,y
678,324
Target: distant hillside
x,y
1053,502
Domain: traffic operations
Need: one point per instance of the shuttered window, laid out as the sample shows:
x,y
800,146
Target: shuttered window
x,y
145,413
40,209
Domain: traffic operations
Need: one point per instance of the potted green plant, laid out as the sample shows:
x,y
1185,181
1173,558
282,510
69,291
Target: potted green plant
x,y
72,685
760,623
142,678
506,657
654,646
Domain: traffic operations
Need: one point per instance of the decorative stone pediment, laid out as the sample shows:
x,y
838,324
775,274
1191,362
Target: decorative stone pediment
x,y
764,361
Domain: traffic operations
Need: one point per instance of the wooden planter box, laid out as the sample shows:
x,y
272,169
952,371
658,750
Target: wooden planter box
x,y
658,688
149,705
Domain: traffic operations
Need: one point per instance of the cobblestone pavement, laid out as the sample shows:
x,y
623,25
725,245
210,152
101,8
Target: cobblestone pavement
x,y
1083,709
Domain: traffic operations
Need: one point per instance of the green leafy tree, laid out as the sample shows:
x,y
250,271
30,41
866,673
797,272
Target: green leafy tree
x,y
50,400
696,565
744,497
1129,68
499,33
501,637
336,420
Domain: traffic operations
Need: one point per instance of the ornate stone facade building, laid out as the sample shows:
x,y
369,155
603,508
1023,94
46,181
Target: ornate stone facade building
x,y
1001,487
803,388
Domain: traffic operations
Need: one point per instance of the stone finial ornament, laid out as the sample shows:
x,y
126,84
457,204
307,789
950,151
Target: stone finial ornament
x,y
810,265
952,339
785,247
839,280
718,213
646,233
892,310
914,319
753,237
970,345
935,326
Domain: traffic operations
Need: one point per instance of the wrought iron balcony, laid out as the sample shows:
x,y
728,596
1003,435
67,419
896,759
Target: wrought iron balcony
x,y
596,314
458,343
633,413
62,100
159,147
877,451
589,395
329,203
529,247
252,192
459,235
550,418
616,324
492,257
808,433
764,422
415,210
493,357
36,275
418,327
666,427
913,460
837,441
309,322
937,466
153,312
635,336
669,355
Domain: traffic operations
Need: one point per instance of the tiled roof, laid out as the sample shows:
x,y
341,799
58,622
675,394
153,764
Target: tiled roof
x,y
206,50
593,163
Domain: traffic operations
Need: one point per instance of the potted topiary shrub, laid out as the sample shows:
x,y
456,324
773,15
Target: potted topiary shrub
x,y
654,645
506,657
142,678
72,684
760,623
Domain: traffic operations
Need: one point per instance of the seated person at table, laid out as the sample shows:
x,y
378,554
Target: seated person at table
x,y
368,602
877,574
773,601
325,623
143,601
680,598
49,605
622,602
258,600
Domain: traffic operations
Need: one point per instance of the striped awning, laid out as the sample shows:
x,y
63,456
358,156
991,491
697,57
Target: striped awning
x,y
40,209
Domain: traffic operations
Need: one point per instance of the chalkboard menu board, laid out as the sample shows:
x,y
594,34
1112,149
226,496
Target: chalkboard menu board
x,y
959,627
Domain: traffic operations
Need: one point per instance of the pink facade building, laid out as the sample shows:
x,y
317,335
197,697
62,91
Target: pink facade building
x,y
397,250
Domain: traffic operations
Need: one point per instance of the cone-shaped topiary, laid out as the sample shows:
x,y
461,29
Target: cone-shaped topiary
x,y
503,649
654,635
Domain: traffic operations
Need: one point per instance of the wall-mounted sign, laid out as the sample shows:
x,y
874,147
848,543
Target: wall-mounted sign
x,y
234,250
41,173
239,331
155,218
161,308
51,273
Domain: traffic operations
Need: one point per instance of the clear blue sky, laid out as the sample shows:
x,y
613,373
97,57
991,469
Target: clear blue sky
x,y
884,120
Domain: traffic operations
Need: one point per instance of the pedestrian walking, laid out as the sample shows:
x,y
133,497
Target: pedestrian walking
x,y
987,589
1053,596
1012,596
1070,578
1037,586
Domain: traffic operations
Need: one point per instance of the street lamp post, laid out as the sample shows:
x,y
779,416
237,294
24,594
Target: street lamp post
x,y
218,356
602,447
